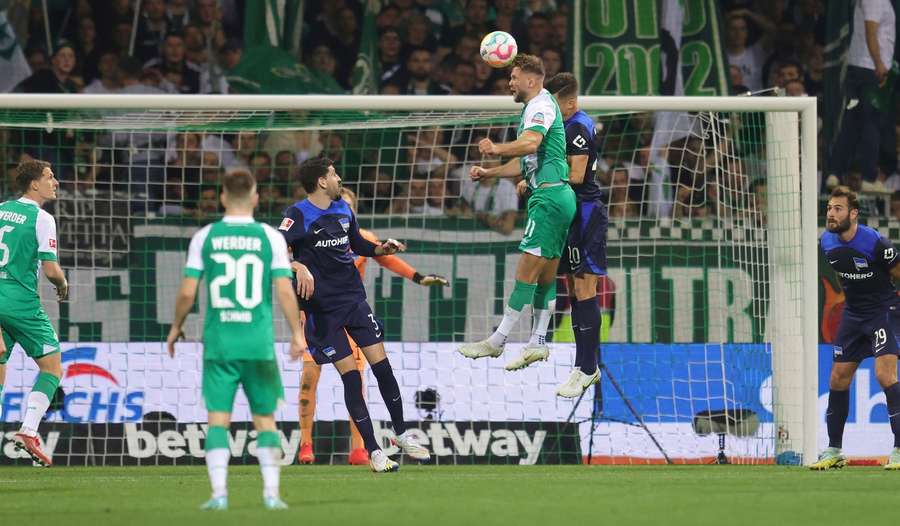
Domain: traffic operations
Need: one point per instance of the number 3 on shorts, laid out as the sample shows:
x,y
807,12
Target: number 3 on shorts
x,y
529,228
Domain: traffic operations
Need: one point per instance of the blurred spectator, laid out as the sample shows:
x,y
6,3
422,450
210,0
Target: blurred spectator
x,y
436,193
418,74
559,24
794,88
463,80
508,17
261,167
195,49
388,17
620,206
412,199
131,77
553,61
209,18
36,58
153,26
323,67
484,77
476,23
178,75
737,80
376,192
389,55
750,59
419,33
231,53
286,168
500,86
56,79
895,205
788,71
760,193
390,89
346,48
121,37
428,152
178,14
467,48
208,204
108,81
492,201
537,36
436,13
88,51
245,145
867,68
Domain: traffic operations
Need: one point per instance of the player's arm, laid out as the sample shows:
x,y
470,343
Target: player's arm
x,y
46,236
281,277
2,343
363,247
56,276
509,169
187,293
578,151
292,229
184,302
527,144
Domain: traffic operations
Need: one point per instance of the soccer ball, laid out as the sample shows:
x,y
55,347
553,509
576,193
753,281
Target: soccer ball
x,y
498,49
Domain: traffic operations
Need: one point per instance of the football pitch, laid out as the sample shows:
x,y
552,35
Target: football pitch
x,y
465,495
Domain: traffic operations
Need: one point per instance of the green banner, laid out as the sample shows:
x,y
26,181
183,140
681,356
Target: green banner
x,y
616,46
274,23
366,70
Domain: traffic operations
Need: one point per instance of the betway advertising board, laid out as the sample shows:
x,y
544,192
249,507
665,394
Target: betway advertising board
x,y
130,403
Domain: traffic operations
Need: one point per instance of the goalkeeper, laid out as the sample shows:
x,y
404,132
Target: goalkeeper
x,y
539,154
309,379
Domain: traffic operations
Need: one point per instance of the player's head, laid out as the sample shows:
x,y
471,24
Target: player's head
x,y
564,86
349,197
526,77
36,181
842,211
239,189
317,175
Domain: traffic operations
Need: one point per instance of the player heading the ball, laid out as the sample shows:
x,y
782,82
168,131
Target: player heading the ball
x,y
539,155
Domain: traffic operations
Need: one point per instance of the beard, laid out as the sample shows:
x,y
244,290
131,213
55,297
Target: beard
x,y
838,227
519,96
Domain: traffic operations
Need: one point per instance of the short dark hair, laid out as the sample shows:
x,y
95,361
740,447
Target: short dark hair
x,y
28,171
130,67
238,183
313,169
845,191
563,85
529,64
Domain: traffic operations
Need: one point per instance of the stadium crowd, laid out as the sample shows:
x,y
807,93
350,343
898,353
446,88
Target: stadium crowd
x,y
423,47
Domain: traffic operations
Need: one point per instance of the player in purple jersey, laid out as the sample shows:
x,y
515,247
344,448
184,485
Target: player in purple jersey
x,y
584,259
320,232
866,263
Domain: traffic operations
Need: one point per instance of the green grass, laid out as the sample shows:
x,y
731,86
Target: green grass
x,y
468,496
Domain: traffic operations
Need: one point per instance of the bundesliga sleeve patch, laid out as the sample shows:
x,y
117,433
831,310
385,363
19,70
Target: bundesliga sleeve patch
x,y
52,243
537,118
286,224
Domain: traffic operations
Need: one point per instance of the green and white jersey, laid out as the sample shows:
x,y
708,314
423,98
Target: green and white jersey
x,y
548,164
238,259
27,237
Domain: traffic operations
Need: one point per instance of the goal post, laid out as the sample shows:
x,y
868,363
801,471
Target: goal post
x,y
711,309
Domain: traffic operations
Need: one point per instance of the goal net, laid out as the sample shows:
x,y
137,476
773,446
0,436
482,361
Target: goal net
x,y
709,338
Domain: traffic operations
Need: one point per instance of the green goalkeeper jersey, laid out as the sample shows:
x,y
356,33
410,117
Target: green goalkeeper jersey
x,y
27,237
238,258
548,164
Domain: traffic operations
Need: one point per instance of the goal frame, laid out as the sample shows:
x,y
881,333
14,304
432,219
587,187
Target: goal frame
x,y
803,391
